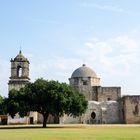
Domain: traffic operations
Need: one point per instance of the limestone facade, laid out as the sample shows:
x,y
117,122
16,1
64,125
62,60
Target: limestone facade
x,y
105,104
108,93
102,112
131,109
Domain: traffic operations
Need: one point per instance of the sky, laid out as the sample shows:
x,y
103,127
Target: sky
x,y
58,36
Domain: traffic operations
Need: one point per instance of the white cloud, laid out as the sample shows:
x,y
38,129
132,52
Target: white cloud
x,y
56,68
115,56
103,7
118,55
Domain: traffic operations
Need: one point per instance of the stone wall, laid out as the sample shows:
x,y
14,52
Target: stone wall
x,y
83,85
69,120
108,93
95,93
17,120
17,84
102,113
25,120
131,109
97,113
95,109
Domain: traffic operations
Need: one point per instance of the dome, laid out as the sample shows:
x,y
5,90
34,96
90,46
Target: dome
x,y
83,71
20,57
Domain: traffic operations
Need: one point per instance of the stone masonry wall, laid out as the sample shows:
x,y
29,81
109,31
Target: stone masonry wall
x,y
83,85
108,93
131,109
105,113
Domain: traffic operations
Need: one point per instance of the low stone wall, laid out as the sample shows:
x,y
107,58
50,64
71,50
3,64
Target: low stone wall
x,y
97,113
131,109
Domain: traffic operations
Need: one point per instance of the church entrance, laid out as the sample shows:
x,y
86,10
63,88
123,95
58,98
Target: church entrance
x,y
93,115
3,119
31,120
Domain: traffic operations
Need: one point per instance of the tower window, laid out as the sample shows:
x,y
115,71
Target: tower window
x,y
85,83
19,71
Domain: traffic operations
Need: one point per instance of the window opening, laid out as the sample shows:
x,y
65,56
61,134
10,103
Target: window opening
x,y
19,71
85,83
93,115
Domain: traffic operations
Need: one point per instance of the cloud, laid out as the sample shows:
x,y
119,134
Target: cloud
x,y
56,68
102,7
117,55
113,57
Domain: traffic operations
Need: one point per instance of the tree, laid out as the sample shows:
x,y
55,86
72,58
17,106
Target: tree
x,y
2,105
14,104
47,97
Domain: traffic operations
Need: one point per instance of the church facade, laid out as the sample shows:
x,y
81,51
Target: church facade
x,y
105,104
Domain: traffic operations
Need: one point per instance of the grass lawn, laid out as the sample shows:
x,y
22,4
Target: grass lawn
x,y
73,132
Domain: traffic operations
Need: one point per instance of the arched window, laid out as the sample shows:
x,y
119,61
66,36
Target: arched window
x,y
93,115
136,109
19,71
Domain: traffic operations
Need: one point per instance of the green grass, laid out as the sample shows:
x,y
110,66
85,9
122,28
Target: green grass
x,y
73,132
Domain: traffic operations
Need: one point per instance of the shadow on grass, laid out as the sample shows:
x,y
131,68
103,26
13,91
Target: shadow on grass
x,y
36,127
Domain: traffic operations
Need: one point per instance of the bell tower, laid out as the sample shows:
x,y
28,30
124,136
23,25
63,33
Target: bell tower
x,y
19,72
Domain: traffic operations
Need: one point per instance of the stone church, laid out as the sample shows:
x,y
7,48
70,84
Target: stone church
x,y
18,79
105,104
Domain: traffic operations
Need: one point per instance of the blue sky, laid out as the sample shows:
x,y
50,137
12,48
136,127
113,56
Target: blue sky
x,y
59,36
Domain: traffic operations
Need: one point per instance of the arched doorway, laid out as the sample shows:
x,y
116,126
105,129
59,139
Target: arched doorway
x,y
93,115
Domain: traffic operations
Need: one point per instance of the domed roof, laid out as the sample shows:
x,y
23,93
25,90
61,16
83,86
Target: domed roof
x,y
20,57
83,71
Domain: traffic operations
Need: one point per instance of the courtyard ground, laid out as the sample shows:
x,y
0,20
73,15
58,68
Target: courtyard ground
x,y
70,132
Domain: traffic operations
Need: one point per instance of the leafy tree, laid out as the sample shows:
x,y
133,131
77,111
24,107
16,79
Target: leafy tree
x,y
13,103
1,99
1,102
2,105
47,97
